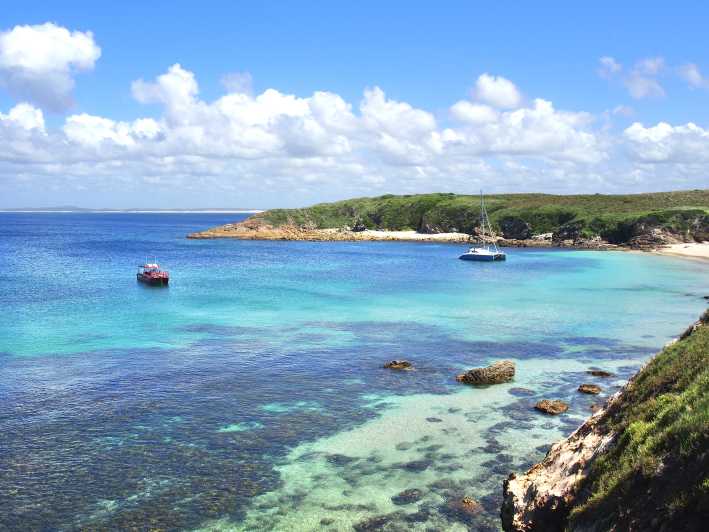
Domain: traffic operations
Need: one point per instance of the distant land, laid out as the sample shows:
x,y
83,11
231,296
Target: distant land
x,y
72,208
586,220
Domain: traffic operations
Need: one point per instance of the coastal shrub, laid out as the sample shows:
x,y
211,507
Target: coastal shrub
x,y
661,457
614,218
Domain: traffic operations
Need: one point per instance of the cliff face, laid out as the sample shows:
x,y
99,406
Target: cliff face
x,y
641,463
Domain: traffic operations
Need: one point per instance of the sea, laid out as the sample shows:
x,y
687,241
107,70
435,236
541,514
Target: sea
x,y
250,394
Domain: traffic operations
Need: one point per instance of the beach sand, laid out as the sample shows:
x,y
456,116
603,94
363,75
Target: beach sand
x,y
696,250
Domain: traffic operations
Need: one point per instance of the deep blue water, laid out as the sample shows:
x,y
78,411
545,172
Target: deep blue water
x,y
250,393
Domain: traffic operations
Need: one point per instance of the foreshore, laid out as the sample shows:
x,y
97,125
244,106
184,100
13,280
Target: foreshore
x,y
248,230
691,250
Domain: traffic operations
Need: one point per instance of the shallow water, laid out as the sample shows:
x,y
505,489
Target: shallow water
x,y
250,394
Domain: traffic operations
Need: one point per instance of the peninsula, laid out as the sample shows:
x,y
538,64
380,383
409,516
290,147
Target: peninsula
x,y
596,221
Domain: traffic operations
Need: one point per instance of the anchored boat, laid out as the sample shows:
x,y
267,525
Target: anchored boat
x,y
150,273
484,252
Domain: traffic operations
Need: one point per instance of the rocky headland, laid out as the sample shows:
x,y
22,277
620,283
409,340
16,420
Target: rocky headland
x,y
674,221
639,463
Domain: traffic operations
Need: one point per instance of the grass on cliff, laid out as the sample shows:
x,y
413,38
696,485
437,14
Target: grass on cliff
x,y
610,216
657,475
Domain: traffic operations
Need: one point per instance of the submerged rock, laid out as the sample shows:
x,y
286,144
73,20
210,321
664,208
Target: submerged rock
x,y
407,497
398,364
463,509
599,373
590,388
552,406
497,373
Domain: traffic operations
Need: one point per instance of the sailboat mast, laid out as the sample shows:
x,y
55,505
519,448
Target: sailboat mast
x,y
482,217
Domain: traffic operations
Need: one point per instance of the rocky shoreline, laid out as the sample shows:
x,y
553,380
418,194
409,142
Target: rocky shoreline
x,y
252,229
544,497
645,239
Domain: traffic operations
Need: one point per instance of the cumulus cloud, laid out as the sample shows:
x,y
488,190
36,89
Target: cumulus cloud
x,y
322,144
664,143
38,63
497,91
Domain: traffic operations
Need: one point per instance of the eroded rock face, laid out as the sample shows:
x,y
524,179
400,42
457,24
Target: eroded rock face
x,y
515,228
593,389
497,373
399,364
552,406
540,499
570,231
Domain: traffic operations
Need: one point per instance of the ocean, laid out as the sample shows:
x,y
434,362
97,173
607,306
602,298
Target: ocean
x,y
250,394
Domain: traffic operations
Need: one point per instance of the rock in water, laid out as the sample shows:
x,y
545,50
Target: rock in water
x,y
407,497
590,388
398,364
599,373
499,372
552,406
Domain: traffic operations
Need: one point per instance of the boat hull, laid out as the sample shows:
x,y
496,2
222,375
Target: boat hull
x,y
152,281
483,258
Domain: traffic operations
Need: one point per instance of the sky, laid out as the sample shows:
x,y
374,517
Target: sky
x,y
284,104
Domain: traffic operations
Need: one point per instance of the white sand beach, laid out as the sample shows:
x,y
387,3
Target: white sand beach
x,y
696,250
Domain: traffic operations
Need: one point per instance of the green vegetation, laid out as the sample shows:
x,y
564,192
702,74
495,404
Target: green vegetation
x,y
657,475
613,218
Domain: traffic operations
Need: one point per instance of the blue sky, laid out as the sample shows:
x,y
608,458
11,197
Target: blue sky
x,y
423,56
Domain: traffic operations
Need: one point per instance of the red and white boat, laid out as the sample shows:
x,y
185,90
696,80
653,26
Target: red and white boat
x,y
150,273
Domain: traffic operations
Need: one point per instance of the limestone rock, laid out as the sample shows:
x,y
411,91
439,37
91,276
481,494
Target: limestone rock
x,y
552,406
593,389
499,372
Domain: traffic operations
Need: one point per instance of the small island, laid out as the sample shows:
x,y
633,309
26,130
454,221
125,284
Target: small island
x,y
676,221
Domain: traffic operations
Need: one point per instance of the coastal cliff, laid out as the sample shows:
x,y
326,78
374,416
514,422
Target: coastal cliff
x,y
640,221
640,463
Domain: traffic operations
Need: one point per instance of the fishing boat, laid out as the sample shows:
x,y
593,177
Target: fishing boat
x,y
150,273
484,252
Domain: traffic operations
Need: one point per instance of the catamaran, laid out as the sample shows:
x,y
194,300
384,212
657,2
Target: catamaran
x,y
482,251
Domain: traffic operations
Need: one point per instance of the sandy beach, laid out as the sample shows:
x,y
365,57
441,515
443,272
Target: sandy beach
x,y
695,250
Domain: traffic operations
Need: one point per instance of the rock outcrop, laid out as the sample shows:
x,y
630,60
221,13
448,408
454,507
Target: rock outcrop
x,y
515,228
399,364
638,463
540,499
497,373
593,389
599,373
552,406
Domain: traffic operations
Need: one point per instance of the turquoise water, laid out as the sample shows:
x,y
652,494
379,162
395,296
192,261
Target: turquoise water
x,y
249,394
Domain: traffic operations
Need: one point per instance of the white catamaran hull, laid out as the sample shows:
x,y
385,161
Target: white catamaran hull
x,y
482,257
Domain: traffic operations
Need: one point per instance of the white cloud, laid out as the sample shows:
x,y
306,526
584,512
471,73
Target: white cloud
x,y
694,78
474,113
664,143
641,82
319,146
497,91
25,116
608,67
37,63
